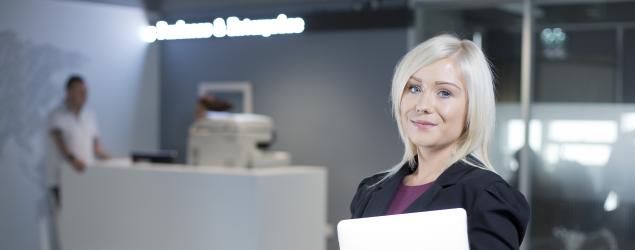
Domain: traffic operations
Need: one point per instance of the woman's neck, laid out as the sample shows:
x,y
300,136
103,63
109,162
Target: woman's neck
x,y
430,165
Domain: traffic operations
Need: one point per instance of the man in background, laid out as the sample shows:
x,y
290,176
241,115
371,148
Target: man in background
x,y
75,135
210,103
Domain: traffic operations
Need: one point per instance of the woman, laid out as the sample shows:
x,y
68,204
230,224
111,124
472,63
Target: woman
x,y
443,102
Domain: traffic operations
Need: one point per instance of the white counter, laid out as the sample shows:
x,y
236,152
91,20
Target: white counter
x,y
120,206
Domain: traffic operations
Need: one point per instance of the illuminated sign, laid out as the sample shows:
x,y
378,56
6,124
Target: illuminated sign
x,y
232,27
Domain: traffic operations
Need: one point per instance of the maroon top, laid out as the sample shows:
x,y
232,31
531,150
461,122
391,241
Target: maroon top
x,y
405,196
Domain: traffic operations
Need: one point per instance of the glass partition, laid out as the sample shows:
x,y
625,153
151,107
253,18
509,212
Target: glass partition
x,y
582,123
581,169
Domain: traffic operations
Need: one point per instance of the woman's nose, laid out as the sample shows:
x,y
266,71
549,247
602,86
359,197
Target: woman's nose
x,y
424,103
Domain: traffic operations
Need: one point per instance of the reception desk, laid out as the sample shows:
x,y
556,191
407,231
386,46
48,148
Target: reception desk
x,y
122,206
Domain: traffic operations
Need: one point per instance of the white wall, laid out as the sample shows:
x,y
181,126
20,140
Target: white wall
x,y
41,43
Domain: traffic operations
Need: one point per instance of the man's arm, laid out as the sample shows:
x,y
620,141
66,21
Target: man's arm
x,y
99,150
77,163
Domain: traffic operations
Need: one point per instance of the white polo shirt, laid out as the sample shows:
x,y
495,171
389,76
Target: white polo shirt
x,y
79,133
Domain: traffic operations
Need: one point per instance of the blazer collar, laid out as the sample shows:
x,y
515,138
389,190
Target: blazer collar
x,y
384,192
449,177
453,174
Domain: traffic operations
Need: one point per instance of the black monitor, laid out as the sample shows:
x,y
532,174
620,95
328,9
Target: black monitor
x,y
155,156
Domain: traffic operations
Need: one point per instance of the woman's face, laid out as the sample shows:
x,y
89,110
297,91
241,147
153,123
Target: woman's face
x,y
434,105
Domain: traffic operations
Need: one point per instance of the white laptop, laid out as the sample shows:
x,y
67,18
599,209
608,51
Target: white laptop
x,y
434,230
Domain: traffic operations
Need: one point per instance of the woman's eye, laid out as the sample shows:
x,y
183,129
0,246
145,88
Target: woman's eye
x,y
444,93
414,89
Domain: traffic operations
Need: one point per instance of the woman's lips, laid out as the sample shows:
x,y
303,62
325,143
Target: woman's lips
x,y
423,124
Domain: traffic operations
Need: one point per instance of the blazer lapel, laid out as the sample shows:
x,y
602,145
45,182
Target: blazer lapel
x,y
383,194
449,177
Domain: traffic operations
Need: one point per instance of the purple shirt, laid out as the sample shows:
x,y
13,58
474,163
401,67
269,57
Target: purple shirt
x,y
405,196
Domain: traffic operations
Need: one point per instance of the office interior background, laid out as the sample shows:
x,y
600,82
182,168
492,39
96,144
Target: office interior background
x,y
326,90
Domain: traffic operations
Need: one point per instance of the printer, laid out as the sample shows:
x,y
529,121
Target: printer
x,y
235,140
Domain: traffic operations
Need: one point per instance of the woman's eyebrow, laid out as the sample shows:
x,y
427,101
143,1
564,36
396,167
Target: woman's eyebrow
x,y
416,79
448,83
436,82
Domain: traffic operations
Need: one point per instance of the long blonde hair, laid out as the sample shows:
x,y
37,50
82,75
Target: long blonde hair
x,y
481,110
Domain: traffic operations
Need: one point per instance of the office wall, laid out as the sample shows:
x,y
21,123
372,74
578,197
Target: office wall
x,y
41,43
328,94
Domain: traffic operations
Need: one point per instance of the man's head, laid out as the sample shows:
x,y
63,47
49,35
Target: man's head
x,y
209,103
76,92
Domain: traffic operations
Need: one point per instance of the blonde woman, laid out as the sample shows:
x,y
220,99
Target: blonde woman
x,y
443,101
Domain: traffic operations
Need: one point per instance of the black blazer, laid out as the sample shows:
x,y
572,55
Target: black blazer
x,y
497,214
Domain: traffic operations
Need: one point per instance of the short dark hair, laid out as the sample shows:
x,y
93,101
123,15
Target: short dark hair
x,y
72,80
212,104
